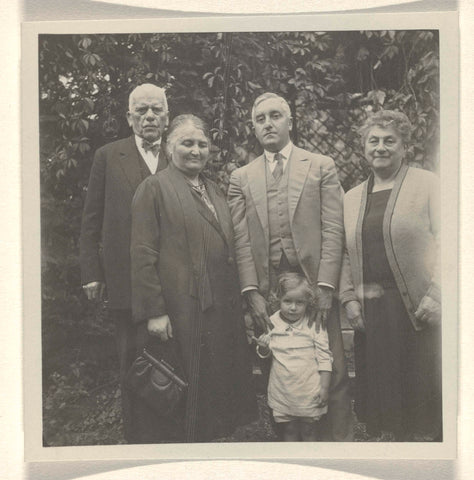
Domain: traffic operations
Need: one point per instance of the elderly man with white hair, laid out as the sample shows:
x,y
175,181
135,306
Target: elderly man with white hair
x,y
118,168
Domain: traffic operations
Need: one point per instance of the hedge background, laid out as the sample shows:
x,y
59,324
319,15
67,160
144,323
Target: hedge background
x,y
331,80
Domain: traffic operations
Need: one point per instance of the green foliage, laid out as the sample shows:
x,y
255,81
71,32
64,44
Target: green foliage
x,y
400,70
73,415
331,80
81,398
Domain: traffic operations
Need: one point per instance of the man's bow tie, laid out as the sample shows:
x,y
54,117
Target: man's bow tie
x,y
150,147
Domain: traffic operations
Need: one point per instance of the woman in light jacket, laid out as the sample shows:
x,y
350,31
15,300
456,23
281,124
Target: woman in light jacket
x,y
390,286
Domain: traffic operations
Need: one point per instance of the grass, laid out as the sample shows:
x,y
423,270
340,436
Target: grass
x,y
81,396
94,418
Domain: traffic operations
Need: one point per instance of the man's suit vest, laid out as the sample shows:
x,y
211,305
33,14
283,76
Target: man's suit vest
x,y
279,218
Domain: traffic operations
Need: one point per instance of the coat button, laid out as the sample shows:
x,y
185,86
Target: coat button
x,y
230,261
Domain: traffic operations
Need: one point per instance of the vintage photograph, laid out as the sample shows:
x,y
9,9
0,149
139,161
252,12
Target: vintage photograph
x,y
241,237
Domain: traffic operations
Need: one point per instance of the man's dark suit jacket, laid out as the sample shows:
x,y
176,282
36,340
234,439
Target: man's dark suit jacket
x,y
117,171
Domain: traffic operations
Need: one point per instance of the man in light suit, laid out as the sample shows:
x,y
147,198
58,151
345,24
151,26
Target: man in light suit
x,y
117,170
286,207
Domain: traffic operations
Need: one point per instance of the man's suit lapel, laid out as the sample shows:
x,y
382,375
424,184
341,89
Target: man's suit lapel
x,y
299,168
258,189
129,160
162,158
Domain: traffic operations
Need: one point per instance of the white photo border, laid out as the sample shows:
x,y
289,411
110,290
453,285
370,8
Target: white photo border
x,y
447,24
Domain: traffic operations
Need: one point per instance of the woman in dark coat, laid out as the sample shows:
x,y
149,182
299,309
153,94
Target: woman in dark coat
x,y
185,284
390,286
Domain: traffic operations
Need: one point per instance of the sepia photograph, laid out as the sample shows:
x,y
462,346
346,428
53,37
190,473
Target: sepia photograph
x,y
239,234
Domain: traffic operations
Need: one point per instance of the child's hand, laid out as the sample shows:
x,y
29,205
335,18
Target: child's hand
x,y
263,345
263,340
322,397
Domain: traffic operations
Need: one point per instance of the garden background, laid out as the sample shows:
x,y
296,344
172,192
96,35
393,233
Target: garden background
x,y
332,81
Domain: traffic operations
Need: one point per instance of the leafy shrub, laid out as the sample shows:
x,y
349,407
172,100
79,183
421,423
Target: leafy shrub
x,y
332,81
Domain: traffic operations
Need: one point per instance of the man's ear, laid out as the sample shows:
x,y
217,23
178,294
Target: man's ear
x,y
290,123
129,119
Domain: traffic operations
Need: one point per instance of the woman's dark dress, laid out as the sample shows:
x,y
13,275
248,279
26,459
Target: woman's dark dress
x,y
172,227
397,368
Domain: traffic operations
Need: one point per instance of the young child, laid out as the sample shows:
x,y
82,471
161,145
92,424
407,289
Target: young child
x,y
302,362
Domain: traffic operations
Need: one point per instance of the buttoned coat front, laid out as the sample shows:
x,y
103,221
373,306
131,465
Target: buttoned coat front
x,y
106,222
316,223
183,266
315,212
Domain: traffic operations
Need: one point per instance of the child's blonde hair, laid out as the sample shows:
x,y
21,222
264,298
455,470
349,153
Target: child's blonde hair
x,y
291,280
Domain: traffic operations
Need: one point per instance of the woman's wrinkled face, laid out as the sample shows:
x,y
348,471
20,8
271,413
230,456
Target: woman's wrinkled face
x,y
190,150
384,149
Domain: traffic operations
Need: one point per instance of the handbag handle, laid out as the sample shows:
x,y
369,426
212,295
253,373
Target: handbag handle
x,y
164,368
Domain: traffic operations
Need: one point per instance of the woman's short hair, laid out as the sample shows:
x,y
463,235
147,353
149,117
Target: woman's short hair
x,y
180,121
388,118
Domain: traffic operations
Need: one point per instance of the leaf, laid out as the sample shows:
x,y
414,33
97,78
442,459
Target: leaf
x,y
89,104
253,86
362,54
390,51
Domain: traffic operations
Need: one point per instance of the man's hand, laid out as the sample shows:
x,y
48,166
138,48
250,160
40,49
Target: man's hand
x,y
94,291
354,315
258,310
160,327
324,295
429,311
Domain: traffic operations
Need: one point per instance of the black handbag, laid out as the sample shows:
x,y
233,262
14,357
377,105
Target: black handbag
x,y
158,378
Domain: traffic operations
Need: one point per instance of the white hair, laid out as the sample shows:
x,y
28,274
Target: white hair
x,y
181,121
147,88
267,96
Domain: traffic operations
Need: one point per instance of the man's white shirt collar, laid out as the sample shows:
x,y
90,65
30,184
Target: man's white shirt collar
x,y
150,159
139,142
285,152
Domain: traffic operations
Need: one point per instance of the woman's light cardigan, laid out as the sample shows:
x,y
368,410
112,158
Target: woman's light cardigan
x,y
410,232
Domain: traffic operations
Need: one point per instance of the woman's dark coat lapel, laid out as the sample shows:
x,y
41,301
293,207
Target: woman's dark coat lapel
x,y
195,237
